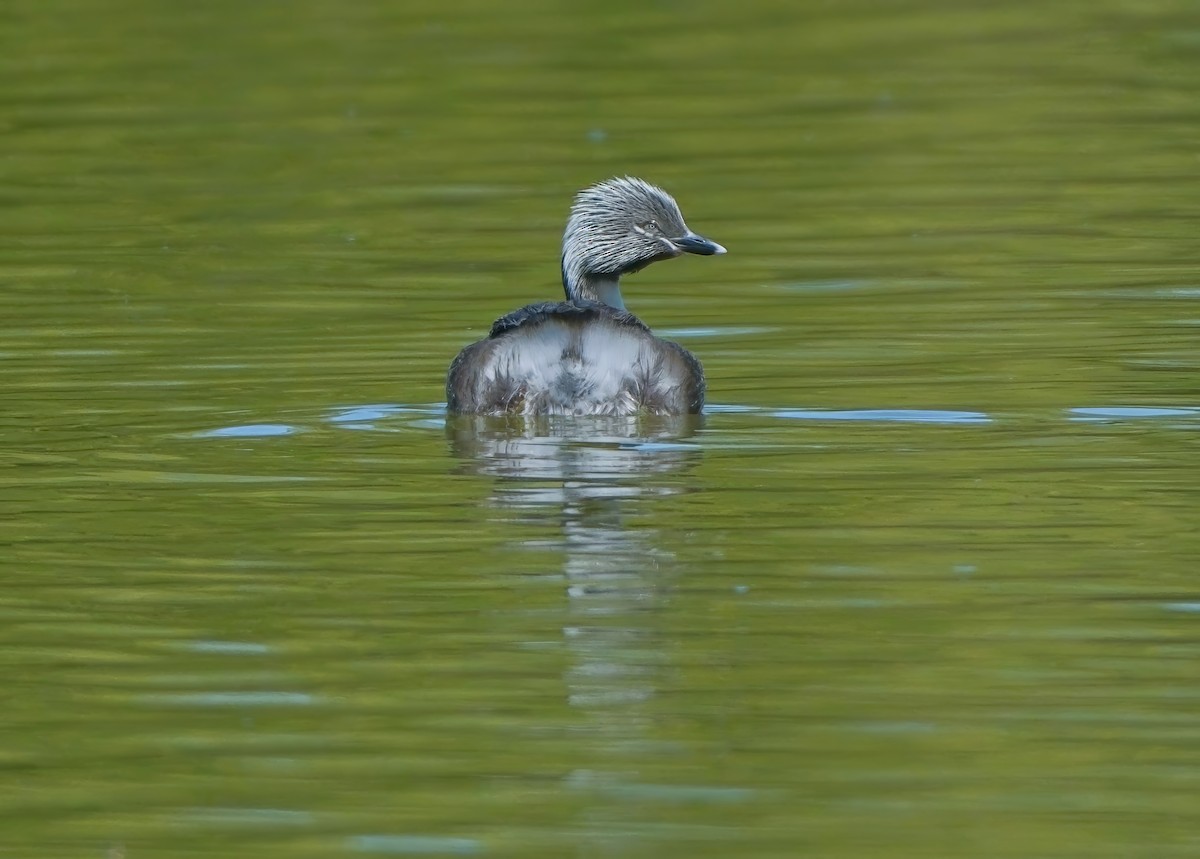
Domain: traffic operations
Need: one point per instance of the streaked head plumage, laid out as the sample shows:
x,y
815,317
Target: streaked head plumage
x,y
620,226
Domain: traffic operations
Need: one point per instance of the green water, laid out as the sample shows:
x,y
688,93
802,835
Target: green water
x,y
923,582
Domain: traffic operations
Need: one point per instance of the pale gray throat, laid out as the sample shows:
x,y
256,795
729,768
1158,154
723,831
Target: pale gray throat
x,y
603,288
584,286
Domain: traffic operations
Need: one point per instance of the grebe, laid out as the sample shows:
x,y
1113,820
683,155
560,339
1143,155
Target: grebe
x,y
588,355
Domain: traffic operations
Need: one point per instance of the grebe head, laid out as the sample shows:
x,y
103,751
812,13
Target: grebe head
x,y
619,227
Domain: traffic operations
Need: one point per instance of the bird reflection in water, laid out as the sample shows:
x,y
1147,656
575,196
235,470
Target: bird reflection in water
x,y
593,475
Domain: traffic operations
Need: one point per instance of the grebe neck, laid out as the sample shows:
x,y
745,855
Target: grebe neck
x,y
602,288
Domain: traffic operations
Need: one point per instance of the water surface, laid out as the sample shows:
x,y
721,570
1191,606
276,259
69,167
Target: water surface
x,y
921,583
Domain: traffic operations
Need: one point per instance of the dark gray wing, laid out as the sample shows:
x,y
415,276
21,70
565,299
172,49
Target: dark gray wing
x,y
689,368
462,379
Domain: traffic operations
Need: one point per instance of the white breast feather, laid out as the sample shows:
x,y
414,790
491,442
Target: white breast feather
x,y
565,368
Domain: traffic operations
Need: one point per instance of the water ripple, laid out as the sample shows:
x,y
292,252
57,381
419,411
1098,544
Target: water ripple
x,y
916,416
249,431
1115,413
234,699
413,844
